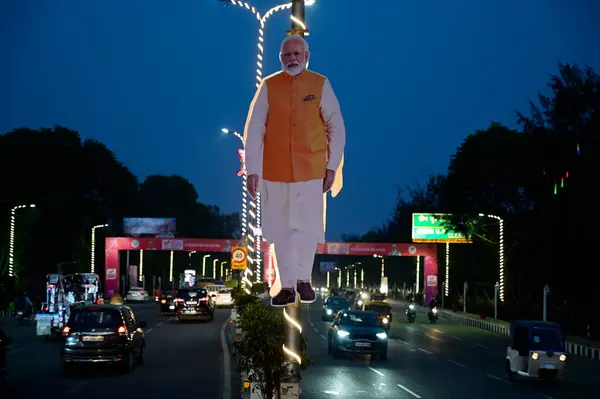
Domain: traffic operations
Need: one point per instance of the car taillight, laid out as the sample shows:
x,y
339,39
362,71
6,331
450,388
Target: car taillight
x,y
178,300
205,299
66,331
218,296
122,330
163,301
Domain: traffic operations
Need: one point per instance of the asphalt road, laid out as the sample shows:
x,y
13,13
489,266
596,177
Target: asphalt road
x,y
445,360
180,359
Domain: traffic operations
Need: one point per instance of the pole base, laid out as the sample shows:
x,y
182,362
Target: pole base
x,y
290,390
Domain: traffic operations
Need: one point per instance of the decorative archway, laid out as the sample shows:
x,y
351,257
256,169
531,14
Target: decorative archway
x,y
114,245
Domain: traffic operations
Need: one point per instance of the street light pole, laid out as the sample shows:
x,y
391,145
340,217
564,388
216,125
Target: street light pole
x,y
204,265
93,248
215,268
11,244
221,274
500,252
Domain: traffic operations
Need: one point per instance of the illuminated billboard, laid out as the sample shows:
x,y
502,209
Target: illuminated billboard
x,y
430,227
150,227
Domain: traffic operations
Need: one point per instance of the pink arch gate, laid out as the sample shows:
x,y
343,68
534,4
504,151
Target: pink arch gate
x,y
114,245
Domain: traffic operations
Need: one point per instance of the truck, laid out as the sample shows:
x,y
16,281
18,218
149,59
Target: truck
x,y
62,293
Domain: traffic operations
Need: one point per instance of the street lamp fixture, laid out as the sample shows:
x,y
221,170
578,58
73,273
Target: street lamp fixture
x,y
93,249
500,252
204,265
11,244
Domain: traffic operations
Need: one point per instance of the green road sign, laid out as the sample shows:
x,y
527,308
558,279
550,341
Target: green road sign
x,y
429,227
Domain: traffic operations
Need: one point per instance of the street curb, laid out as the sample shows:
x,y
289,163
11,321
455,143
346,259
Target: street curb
x,y
572,348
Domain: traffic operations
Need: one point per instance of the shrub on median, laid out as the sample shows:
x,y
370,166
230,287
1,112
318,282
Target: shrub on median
x,y
259,352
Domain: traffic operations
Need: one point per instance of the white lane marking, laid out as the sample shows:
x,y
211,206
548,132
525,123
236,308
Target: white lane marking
x,y
311,324
408,391
423,350
482,346
17,350
159,323
226,364
544,396
148,330
457,363
457,338
404,342
438,331
376,371
76,388
324,337
498,378
432,337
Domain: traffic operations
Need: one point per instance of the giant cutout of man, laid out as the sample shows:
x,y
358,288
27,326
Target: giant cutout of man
x,y
294,139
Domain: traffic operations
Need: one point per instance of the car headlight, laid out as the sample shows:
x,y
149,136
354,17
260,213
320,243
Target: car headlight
x,y
344,333
364,295
381,335
329,311
434,310
563,358
385,320
360,303
411,306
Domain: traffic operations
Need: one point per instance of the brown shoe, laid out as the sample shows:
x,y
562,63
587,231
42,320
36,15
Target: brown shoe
x,y
285,297
306,292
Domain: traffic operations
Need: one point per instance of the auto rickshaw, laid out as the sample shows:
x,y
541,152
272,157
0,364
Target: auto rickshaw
x,y
383,311
536,350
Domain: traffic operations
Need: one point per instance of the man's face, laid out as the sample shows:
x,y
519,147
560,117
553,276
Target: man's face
x,y
294,57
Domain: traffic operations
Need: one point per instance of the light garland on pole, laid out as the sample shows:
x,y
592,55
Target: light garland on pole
x,y
447,280
93,247
500,252
11,243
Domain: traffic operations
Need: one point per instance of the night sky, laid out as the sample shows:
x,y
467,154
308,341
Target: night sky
x,y
156,80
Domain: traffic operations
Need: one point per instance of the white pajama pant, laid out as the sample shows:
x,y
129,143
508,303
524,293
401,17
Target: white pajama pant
x,y
292,215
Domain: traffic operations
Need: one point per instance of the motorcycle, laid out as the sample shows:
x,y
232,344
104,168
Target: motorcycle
x,y
411,313
433,315
20,316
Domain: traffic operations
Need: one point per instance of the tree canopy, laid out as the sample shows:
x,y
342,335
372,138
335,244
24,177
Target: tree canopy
x,y
541,179
77,183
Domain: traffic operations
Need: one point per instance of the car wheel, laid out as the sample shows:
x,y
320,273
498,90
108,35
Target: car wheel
x,y
127,364
141,355
67,368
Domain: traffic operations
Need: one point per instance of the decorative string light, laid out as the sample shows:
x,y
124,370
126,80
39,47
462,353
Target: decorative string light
x,y
447,281
11,243
500,252
93,247
418,274
171,266
141,276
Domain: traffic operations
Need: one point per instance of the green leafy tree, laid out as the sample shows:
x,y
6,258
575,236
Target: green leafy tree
x,y
259,352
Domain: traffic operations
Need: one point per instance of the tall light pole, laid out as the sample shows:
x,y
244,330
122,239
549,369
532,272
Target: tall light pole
x,y
215,268
500,252
93,249
11,244
204,265
221,274
447,280
190,258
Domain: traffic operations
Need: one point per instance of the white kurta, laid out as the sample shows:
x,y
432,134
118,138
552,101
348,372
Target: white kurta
x,y
293,214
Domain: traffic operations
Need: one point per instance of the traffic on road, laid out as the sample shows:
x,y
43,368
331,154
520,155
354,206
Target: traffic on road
x,y
427,360
178,358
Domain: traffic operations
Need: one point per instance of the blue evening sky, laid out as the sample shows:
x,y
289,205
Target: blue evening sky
x,y
156,80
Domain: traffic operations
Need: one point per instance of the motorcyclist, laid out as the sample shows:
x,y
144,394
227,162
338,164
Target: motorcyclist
x,y
24,303
433,304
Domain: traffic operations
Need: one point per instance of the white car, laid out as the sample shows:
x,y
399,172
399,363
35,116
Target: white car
x,y
137,294
223,297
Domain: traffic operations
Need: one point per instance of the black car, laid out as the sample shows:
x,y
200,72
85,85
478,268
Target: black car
x,y
333,305
354,331
194,303
103,334
167,303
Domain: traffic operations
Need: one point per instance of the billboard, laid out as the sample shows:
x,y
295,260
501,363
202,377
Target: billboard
x,y
149,227
430,227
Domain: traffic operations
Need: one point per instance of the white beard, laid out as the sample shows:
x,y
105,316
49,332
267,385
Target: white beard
x,y
296,70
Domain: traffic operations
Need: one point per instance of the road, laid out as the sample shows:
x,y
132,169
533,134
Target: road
x,y
445,360
180,359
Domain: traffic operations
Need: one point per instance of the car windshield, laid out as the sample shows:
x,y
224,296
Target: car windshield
x,y
338,303
82,319
359,320
378,308
546,338
191,295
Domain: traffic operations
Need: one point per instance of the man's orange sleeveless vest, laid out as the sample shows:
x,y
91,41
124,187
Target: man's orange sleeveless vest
x,y
295,145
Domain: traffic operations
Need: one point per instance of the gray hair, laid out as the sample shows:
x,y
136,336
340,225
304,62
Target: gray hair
x,y
294,38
